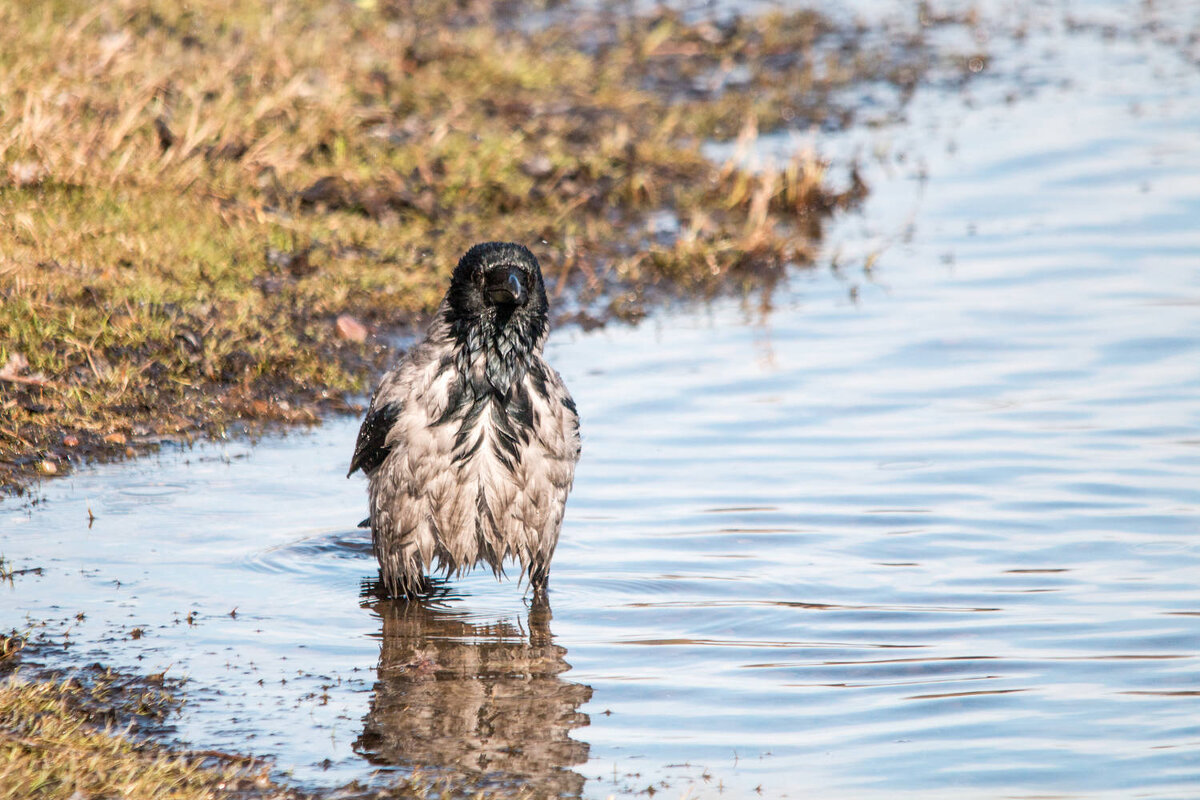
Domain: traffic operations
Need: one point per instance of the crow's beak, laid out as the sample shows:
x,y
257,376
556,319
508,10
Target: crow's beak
x,y
505,287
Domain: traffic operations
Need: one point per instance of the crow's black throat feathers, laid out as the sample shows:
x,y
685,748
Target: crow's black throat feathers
x,y
496,314
496,309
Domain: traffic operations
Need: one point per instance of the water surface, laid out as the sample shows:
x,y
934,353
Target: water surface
x,y
935,536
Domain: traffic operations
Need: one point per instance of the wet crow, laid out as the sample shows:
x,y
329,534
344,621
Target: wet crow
x,y
470,441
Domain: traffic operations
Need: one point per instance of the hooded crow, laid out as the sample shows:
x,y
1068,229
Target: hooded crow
x,y
470,441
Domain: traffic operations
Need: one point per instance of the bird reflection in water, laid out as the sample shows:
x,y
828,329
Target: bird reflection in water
x,y
482,698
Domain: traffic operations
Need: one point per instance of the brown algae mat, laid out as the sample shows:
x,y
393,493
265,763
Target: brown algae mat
x,y
209,212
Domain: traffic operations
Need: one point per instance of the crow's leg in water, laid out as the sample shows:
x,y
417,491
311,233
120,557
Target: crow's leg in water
x,y
539,580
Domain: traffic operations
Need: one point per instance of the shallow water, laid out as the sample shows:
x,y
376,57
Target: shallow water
x,y
939,540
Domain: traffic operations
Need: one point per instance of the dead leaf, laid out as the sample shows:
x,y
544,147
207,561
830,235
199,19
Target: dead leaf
x,y
16,364
26,173
12,369
350,329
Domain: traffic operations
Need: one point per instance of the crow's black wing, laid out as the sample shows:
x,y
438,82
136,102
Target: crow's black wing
x,y
372,447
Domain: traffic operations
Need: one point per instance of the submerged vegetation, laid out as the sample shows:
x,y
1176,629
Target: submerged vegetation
x,y
208,207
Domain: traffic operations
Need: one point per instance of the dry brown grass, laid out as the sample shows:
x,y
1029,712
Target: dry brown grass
x,y
192,194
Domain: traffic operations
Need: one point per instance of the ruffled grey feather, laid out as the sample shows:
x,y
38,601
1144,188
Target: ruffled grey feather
x,y
470,442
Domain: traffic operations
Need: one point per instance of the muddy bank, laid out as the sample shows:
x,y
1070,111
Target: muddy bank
x,y
212,213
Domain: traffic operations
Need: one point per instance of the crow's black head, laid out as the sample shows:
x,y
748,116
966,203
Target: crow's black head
x,y
497,282
496,306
